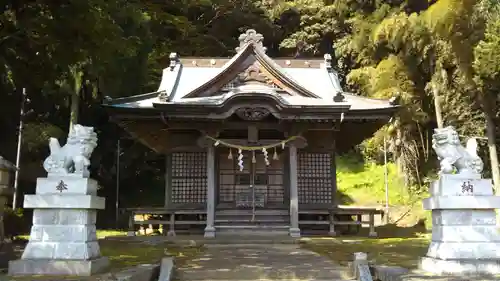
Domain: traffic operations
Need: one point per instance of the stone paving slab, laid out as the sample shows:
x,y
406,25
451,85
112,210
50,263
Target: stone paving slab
x,y
260,262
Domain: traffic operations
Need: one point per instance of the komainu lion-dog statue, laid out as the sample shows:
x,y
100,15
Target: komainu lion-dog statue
x,y
454,158
73,157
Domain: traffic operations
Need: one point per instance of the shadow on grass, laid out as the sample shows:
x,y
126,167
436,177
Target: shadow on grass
x,y
126,254
394,231
396,246
404,252
343,199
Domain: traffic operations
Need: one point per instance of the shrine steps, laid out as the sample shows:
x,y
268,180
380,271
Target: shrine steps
x,y
249,222
257,230
259,217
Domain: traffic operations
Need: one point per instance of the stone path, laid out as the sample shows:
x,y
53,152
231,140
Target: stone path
x,y
260,262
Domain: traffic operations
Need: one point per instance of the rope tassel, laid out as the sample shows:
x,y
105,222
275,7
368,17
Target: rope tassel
x,y
275,155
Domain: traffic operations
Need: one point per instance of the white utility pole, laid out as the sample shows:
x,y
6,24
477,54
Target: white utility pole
x,y
18,156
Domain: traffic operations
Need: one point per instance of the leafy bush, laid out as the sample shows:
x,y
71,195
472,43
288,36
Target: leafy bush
x,y
14,223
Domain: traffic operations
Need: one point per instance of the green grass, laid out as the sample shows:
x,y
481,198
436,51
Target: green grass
x,y
126,254
404,252
103,233
363,184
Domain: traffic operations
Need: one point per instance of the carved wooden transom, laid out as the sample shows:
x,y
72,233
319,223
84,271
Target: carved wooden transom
x,y
252,113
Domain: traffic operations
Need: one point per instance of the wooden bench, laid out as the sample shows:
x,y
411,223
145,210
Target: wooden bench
x,y
352,211
331,213
171,222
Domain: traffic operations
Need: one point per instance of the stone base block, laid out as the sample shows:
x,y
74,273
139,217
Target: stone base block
x,y
294,232
64,217
461,202
463,217
62,250
63,201
209,232
460,267
464,250
58,267
465,233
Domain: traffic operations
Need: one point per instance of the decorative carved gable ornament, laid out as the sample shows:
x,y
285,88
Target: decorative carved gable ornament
x,y
252,75
251,37
252,113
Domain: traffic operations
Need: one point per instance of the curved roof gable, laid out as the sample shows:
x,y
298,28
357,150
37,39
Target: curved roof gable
x,y
252,59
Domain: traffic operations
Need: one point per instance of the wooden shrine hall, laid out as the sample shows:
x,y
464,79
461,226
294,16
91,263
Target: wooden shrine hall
x,y
250,141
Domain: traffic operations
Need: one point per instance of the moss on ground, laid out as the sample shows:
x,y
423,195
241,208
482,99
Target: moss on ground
x,y
128,254
403,252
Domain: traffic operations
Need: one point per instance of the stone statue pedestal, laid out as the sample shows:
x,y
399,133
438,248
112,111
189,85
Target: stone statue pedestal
x,y
465,238
63,237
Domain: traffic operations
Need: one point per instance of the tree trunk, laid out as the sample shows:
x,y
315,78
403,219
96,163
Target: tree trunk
x,y
75,104
490,134
437,105
76,77
489,113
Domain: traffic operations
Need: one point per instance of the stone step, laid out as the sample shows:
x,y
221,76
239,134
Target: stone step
x,y
249,217
250,229
260,279
250,211
252,226
250,221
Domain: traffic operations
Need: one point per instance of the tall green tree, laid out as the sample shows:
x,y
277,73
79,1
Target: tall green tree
x,y
462,23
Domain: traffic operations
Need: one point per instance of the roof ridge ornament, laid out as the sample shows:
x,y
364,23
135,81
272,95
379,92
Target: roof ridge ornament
x,y
163,96
174,60
251,37
339,97
328,61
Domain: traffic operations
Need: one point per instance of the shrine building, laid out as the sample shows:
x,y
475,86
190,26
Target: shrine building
x,y
250,141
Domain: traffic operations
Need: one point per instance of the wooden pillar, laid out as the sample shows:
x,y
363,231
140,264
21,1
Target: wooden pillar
x,y
333,175
294,194
168,180
210,229
333,165
168,193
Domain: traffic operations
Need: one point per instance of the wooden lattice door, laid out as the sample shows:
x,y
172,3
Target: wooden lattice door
x,y
314,178
257,186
